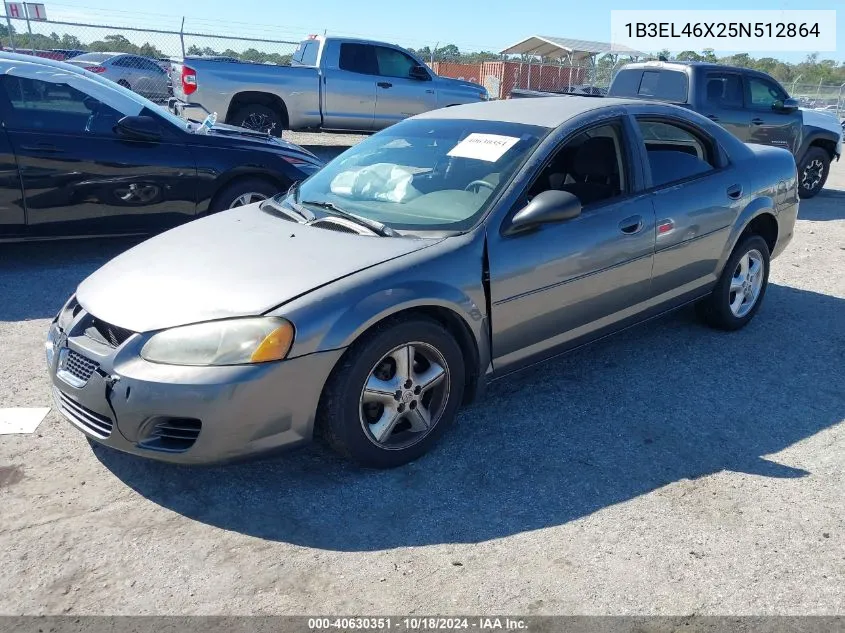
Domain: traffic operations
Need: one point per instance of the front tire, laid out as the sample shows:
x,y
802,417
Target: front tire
x,y
812,172
740,290
242,192
393,394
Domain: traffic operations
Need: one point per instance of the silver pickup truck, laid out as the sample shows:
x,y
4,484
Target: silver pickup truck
x,y
332,83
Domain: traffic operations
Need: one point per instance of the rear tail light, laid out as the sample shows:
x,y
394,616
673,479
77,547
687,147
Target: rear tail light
x,y
189,80
95,69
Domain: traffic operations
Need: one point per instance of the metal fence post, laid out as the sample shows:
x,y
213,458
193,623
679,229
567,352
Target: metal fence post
x,y
11,35
182,36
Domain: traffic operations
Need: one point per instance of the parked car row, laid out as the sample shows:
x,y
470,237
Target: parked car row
x,y
83,155
333,83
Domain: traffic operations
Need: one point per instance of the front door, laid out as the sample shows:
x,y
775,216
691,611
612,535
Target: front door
x,y
770,126
78,176
398,94
565,283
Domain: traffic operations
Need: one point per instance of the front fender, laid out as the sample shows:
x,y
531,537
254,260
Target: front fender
x,y
444,277
813,134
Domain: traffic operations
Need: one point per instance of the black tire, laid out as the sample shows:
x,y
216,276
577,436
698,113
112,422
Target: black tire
x,y
237,188
260,118
340,417
715,309
812,172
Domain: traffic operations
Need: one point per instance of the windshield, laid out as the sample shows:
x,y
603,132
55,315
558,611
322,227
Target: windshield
x,y
424,174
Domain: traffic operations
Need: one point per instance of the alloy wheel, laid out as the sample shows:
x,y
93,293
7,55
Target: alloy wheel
x,y
812,174
746,283
404,396
247,198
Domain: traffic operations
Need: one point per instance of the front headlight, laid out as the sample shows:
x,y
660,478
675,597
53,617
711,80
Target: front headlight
x,y
228,342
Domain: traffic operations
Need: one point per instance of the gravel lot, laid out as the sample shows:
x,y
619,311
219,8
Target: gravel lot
x,y
669,470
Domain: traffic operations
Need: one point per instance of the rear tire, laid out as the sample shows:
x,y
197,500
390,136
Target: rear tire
x,y
243,191
740,290
125,84
812,172
382,415
259,118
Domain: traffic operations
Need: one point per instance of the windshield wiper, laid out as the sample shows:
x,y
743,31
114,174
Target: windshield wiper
x,y
292,210
376,227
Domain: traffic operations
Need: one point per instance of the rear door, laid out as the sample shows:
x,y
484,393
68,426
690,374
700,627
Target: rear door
x,y
723,101
770,126
349,85
398,95
78,176
696,196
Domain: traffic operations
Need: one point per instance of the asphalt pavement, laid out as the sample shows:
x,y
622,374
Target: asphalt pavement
x,y
670,469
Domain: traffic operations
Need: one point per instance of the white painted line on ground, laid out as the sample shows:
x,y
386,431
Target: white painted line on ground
x,y
21,420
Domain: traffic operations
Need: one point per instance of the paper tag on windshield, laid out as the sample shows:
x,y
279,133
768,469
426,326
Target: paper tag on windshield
x,y
489,147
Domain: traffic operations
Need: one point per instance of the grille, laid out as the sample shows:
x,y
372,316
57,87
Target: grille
x,y
111,334
97,425
78,366
174,435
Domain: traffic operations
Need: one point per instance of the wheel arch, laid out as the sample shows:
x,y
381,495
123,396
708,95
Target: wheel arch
x,y
249,97
757,218
231,176
818,137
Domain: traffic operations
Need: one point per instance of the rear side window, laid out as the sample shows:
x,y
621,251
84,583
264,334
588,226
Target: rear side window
x,y
625,84
358,58
723,89
665,85
674,152
306,54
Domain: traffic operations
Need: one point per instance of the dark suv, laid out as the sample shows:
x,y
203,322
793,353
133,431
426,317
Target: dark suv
x,y
748,103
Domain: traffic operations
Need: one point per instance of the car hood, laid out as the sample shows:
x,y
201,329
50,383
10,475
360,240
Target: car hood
x,y
222,134
460,84
235,263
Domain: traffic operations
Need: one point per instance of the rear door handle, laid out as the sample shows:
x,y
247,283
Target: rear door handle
x,y
44,148
385,84
632,225
757,121
735,192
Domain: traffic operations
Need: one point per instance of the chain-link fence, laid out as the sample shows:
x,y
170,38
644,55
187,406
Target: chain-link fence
x,y
140,59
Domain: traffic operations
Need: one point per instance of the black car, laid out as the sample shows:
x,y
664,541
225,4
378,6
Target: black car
x,y
81,156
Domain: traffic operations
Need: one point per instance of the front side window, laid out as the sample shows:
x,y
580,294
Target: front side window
x,y
590,166
424,174
393,63
763,93
674,152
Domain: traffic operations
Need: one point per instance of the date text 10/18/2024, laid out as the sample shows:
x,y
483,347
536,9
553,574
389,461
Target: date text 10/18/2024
x,y
417,624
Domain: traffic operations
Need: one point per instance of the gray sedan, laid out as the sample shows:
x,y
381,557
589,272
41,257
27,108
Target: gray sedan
x,y
368,304
140,74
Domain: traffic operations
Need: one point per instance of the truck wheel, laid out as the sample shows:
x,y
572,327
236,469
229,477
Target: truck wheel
x,y
259,118
812,172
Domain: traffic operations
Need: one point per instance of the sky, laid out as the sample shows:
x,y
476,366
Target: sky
x,y
470,24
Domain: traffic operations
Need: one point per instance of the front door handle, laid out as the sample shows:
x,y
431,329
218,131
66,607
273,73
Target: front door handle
x,y
45,148
735,192
632,225
757,121
385,84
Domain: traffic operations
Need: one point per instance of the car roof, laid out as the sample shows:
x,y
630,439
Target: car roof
x,y
547,112
7,58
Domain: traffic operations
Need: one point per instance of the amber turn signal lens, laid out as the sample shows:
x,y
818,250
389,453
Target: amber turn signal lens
x,y
275,345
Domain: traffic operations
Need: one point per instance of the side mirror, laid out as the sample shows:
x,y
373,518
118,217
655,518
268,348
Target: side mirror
x,y
546,207
786,106
138,128
420,73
